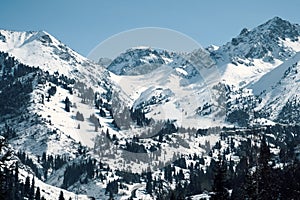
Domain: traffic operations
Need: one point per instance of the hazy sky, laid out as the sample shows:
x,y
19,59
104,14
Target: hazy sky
x,y
82,25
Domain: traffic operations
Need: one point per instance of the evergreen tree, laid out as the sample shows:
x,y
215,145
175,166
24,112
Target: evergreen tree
x,y
180,191
67,104
16,177
168,173
149,183
79,116
195,182
44,157
38,194
16,182
219,181
27,186
61,196
264,182
173,196
102,113
112,187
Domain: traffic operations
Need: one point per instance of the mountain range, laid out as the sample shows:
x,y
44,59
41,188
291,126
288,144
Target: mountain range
x,y
110,129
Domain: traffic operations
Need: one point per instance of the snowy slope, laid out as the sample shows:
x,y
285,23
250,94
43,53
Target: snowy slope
x,y
279,90
48,191
163,96
255,52
142,60
269,80
44,125
42,50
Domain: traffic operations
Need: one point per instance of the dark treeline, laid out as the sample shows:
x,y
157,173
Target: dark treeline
x,y
11,186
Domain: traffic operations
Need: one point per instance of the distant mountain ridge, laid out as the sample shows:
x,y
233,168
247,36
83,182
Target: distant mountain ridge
x,y
39,48
271,40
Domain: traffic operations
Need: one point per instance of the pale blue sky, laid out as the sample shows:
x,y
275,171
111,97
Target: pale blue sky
x,y
84,24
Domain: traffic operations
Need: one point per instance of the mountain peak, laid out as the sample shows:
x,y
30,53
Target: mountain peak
x,y
277,20
137,57
39,48
17,39
272,39
280,28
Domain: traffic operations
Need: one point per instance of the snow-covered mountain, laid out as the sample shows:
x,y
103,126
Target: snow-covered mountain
x,y
245,60
143,60
279,90
38,75
40,49
139,60
275,39
169,85
124,127
255,52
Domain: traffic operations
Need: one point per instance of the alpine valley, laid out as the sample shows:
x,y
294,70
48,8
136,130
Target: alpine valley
x,y
214,123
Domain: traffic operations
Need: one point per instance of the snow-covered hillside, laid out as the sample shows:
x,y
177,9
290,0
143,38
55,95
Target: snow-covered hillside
x,y
150,120
163,96
279,90
143,60
255,52
40,49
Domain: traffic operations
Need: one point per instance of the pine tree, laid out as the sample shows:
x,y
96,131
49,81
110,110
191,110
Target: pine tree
x,y
262,183
149,183
107,134
112,187
16,178
265,185
27,186
16,181
173,196
195,182
38,194
219,189
67,104
44,157
61,196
